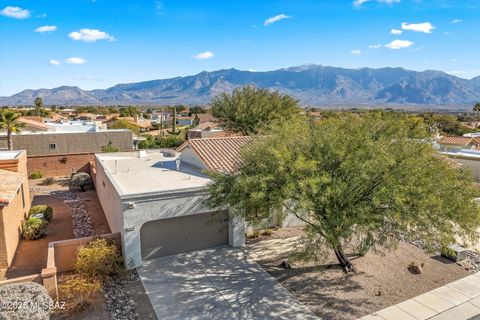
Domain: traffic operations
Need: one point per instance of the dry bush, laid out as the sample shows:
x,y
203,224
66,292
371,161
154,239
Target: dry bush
x,y
99,260
78,293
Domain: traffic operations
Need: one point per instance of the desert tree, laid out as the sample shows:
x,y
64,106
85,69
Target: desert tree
x,y
358,182
10,122
250,110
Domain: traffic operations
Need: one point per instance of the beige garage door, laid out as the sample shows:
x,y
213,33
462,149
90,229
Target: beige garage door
x,y
171,236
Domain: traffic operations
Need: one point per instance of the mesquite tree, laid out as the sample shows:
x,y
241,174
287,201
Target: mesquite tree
x,y
357,182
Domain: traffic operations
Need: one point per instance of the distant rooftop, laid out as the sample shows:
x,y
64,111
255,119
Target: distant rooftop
x,y
467,153
150,171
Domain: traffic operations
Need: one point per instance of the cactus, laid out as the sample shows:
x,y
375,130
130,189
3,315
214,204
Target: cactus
x,y
174,123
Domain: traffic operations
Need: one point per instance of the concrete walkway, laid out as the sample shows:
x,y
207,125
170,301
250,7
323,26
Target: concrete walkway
x,y
459,300
221,283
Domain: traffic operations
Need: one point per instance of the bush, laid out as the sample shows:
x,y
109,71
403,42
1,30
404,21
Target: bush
x,y
36,175
81,180
255,234
78,293
34,228
99,260
42,208
47,181
267,232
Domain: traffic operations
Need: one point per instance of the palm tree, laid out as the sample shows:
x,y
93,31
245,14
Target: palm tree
x,y
9,120
476,108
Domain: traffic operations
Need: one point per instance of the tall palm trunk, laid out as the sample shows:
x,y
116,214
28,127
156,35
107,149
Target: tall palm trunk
x,y
10,139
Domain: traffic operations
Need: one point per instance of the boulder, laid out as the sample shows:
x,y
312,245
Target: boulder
x,y
25,301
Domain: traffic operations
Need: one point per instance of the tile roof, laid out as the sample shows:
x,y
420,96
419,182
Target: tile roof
x,y
9,183
462,141
34,123
219,153
206,117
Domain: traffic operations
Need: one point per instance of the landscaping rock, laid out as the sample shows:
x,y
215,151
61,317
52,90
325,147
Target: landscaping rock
x,y
415,269
117,302
82,224
24,301
286,265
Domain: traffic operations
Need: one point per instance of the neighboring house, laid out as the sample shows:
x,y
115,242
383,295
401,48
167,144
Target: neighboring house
x,y
157,117
155,198
143,125
32,124
14,202
457,143
206,130
206,117
467,159
184,120
67,146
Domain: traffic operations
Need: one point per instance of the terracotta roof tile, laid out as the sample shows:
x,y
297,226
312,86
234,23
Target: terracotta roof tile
x,y
34,123
219,153
462,141
9,183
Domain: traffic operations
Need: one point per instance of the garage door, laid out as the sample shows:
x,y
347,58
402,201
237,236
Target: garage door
x,y
171,236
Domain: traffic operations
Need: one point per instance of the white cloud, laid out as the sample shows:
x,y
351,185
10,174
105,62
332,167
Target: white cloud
x,y
43,15
358,3
425,27
45,29
75,60
90,35
456,21
252,70
15,12
399,44
375,46
204,55
271,20
54,62
356,52
396,31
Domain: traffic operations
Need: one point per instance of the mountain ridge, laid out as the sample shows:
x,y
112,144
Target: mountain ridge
x,y
312,85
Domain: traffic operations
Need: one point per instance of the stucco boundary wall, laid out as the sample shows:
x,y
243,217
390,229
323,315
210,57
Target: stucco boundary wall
x,y
61,258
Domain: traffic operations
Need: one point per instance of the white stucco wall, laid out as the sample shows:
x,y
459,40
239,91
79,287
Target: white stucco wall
x,y
109,198
127,213
188,156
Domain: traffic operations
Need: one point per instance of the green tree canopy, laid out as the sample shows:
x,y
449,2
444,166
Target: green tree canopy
x,y
355,181
124,124
129,111
250,110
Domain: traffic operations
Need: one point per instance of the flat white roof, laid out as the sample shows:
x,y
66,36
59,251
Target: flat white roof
x,y
150,171
9,155
464,153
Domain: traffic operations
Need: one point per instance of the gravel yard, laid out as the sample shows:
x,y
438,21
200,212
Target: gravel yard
x,y
381,280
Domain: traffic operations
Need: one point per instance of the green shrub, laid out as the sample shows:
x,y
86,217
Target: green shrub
x,y
82,180
78,293
36,175
99,260
34,228
42,208
47,181
448,253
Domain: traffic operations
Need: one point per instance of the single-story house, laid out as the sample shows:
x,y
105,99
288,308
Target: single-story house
x,y
456,143
14,202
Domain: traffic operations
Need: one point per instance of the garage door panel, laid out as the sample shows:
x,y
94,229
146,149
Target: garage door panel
x,y
171,236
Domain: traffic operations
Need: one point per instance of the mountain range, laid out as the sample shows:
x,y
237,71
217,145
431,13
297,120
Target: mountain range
x,y
312,85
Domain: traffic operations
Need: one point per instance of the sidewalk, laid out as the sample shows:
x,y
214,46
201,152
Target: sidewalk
x,y
459,300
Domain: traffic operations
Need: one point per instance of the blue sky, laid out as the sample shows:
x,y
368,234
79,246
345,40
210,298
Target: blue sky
x,y
97,44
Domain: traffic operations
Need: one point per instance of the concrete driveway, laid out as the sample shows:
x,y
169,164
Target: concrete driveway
x,y
220,283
